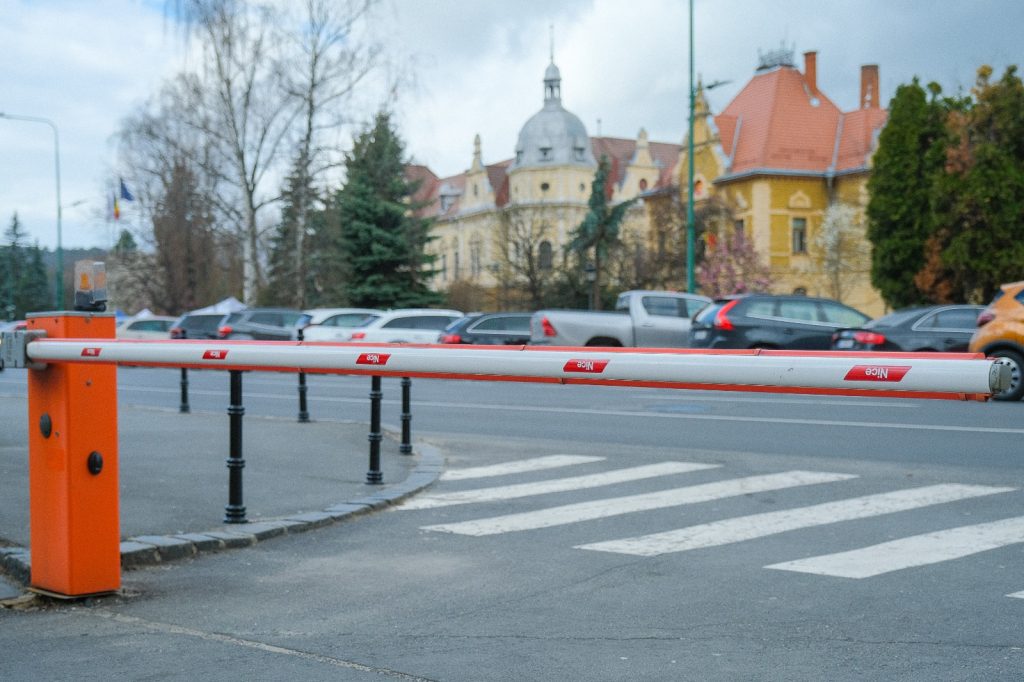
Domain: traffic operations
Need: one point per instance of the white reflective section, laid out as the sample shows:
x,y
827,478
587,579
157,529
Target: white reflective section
x,y
1017,595
770,523
519,467
557,485
918,550
597,509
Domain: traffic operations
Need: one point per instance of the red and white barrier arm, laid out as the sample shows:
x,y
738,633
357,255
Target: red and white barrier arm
x,y
922,375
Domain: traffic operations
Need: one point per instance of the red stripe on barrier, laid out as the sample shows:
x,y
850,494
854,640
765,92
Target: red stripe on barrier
x,y
585,366
91,352
373,359
893,373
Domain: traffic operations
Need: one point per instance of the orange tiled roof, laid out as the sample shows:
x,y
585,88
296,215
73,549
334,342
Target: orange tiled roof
x,y
778,122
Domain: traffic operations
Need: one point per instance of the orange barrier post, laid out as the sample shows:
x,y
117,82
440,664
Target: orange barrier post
x,y
73,493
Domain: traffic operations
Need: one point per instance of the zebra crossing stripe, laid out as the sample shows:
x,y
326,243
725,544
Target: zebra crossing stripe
x,y
557,485
917,550
770,523
598,509
518,467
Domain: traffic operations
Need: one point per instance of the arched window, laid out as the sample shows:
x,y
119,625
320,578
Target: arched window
x,y
545,255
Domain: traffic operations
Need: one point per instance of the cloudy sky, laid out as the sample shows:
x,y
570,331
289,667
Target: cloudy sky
x,y
478,66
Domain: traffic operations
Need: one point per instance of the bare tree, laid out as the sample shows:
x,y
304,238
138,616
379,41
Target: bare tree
x,y
840,255
328,60
526,254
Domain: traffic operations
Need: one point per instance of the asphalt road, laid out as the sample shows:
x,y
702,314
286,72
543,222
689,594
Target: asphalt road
x,y
678,535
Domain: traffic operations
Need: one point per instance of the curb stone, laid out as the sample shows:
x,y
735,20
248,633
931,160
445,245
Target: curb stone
x,y
149,550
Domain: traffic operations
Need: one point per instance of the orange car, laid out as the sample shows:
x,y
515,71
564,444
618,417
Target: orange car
x,y
1000,334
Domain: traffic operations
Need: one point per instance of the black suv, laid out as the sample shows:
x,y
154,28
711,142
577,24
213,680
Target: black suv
x,y
269,324
197,326
771,321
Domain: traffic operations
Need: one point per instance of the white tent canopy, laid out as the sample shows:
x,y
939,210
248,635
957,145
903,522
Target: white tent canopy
x,y
228,305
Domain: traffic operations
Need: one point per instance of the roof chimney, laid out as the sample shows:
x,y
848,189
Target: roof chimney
x,y
811,71
869,87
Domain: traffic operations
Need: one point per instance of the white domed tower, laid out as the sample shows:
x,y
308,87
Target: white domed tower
x,y
554,161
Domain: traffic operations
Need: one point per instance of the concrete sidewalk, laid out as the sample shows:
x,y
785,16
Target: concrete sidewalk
x,y
174,482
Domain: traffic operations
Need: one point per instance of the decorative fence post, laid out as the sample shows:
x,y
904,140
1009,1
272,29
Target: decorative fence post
x,y
184,407
406,447
234,512
374,475
303,412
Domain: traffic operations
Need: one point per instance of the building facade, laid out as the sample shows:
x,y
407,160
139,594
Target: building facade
x,y
776,163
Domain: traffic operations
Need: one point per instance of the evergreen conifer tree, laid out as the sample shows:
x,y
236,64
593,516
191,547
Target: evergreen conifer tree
x,y
899,212
383,242
290,279
24,284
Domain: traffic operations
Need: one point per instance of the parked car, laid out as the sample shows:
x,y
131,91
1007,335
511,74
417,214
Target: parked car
x,y
1000,334
336,324
408,325
197,326
504,329
654,319
151,327
265,324
9,327
928,328
772,321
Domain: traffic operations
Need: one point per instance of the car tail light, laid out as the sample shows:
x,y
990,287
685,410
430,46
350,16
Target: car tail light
x,y
721,321
356,336
549,329
984,317
224,332
869,338
451,338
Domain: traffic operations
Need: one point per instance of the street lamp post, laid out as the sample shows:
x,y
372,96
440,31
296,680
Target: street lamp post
x,y
59,277
691,285
590,272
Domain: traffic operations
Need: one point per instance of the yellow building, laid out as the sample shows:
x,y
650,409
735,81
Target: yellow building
x,y
793,159
500,229
777,163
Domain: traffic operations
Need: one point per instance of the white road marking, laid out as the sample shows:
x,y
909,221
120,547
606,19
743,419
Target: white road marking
x,y
518,467
557,485
770,523
597,509
1018,595
918,550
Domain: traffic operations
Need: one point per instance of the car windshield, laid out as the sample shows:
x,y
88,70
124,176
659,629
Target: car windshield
x,y
894,319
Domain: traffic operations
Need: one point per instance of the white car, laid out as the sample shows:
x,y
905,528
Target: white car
x,y
408,325
149,327
336,324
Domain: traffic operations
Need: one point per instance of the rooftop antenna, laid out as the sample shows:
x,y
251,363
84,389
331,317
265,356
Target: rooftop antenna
x,y
551,40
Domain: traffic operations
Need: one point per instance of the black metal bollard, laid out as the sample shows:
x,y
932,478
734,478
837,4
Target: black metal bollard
x,y
183,407
374,475
406,447
303,411
234,512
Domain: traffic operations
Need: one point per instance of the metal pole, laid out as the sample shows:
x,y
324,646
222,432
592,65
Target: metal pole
x,y
303,411
691,285
374,475
59,277
406,447
234,512
184,407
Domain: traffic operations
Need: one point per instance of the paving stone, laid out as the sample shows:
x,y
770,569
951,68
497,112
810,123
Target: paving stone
x,y
170,547
138,554
312,519
233,539
202,543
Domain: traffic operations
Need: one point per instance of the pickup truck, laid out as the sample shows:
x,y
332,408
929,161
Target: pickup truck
x,y
652,319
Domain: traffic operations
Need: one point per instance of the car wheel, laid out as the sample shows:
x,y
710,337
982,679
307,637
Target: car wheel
x,y
1016,364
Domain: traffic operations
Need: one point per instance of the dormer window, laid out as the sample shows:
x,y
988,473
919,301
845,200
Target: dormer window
x,y
545,153
643,184
446,202
579,153
519,156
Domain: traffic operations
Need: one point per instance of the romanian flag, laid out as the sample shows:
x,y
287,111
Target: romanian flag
x,y
115,208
